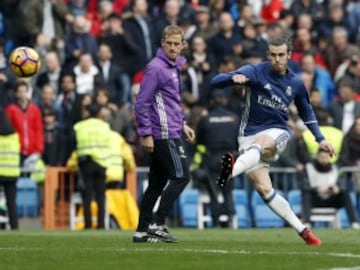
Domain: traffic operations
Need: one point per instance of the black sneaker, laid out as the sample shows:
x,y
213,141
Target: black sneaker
x,y
143,237
227,163
162,232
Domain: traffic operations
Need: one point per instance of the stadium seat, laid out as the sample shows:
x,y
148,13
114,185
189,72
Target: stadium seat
x,y
264,217
27,198
241,201
188,204
294,198
321,216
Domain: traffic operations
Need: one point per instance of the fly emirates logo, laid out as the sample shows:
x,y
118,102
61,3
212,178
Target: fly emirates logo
x,y
273,102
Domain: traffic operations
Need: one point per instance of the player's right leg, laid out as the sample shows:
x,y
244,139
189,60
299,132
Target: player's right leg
x,y
174,166
227,164
262,183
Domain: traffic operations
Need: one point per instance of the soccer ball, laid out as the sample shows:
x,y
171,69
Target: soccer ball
x,y
24,62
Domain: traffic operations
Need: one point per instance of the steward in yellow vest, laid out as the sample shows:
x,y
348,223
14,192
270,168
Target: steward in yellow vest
x,y
332,134
121,159
92,148
10,155
9,165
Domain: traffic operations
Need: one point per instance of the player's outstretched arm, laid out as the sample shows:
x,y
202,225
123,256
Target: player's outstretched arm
x,y
222,80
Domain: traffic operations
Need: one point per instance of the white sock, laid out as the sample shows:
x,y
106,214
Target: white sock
x,y
282,208
247,160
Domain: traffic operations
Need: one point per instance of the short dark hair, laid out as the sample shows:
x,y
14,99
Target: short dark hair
x,y
278,41
19,84
93,109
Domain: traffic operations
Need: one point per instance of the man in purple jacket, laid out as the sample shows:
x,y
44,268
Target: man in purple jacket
x,y
158,112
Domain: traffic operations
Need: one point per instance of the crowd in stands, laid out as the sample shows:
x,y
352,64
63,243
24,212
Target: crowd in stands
x,y
96,51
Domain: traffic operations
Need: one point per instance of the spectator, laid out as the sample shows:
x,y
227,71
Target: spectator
x,y
78,42
112,76
171,16
47,100
25,117
321,79
339,49
344,110
303,45
66,99
205,27
52,72
122,46
202,62
336,17
350,149
224,42
324,190
350,69
217,7
246,16
311,7
88,77
55,141
98,17
253,47
55,18
139,28
102,98
305,21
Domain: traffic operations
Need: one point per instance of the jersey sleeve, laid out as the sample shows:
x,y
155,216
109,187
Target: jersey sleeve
x,y
306,112
223,80
144,100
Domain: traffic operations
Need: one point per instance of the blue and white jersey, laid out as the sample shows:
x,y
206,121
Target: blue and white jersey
x,y
269,97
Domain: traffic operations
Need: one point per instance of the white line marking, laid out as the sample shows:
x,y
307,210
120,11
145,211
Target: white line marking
x,y
344,268
153,247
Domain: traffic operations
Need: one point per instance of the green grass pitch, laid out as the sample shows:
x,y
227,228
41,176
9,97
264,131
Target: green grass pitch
x,y
220,249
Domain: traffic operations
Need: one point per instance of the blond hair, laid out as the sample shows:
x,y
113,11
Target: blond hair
x,y
173,30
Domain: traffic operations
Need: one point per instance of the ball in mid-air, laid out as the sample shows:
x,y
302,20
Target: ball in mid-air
x,y
24,62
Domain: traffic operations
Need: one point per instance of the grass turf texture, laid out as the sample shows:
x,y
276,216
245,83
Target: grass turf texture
x,y
207,249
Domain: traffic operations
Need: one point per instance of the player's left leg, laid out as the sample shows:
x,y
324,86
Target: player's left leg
x,y
263,146
262,183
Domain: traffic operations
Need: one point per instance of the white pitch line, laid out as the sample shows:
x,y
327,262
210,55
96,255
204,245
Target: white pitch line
x,y
152,247
344,268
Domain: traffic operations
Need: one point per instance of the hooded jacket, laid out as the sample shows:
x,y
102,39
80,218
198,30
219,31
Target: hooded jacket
x,y
158,107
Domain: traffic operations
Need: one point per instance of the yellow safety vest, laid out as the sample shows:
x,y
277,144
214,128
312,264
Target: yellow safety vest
x,y
39,174
115,169
198,156
332,134
92,139
10,155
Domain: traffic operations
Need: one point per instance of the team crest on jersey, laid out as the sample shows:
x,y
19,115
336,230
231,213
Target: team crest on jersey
x,y
288,91
267,86
174,76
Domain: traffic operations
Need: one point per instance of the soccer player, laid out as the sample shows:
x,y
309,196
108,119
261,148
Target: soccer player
x,y
264,132
160,122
